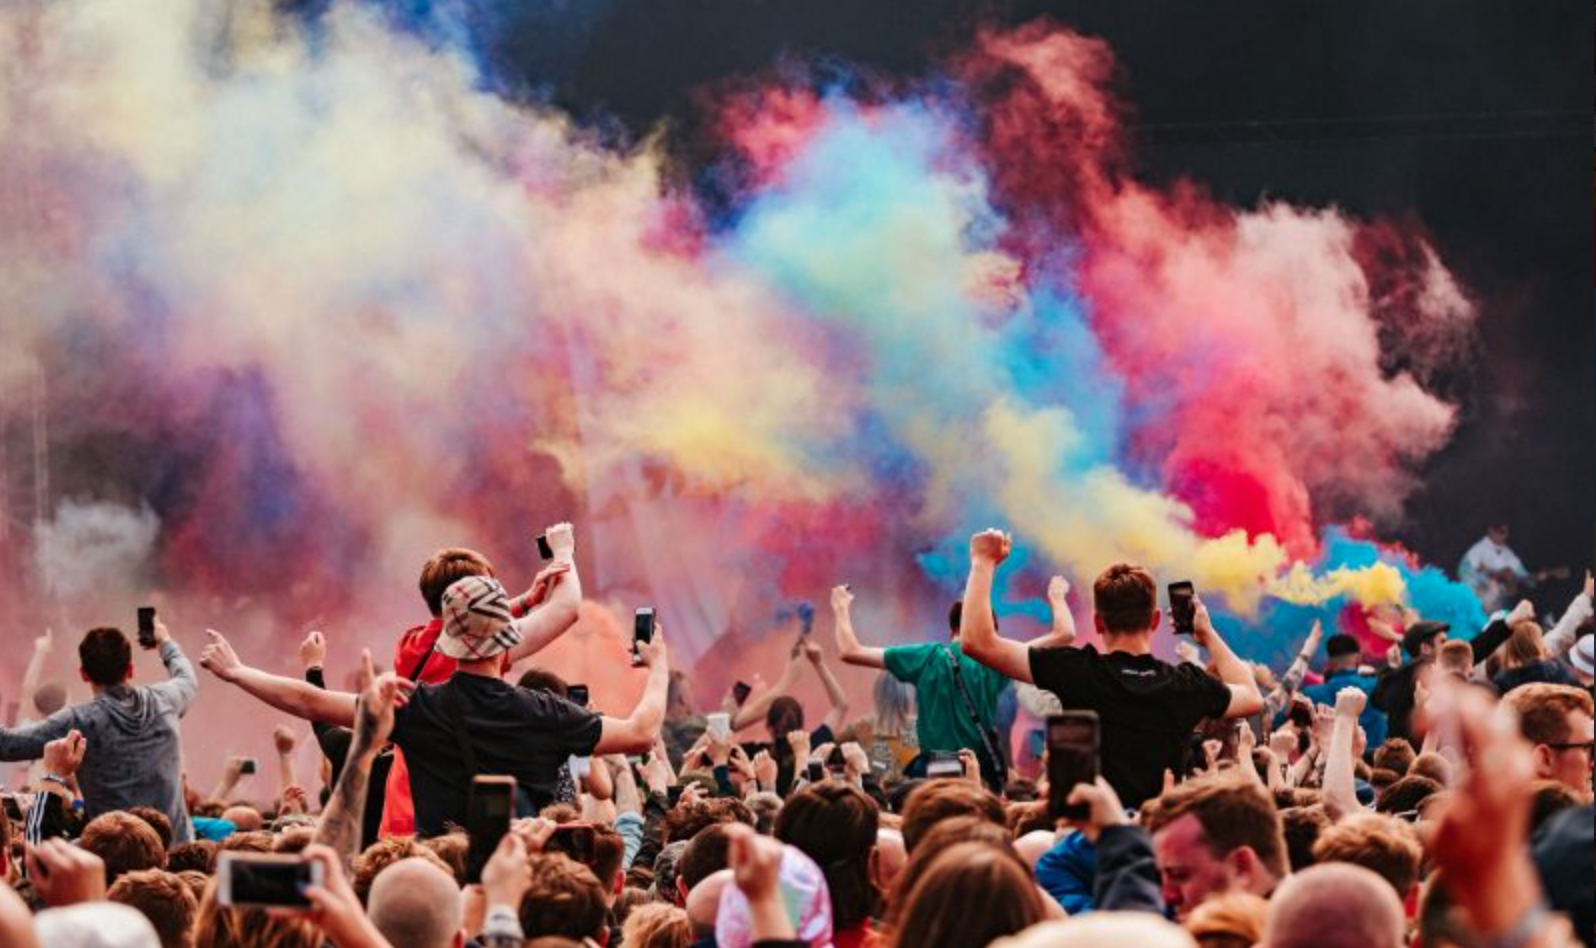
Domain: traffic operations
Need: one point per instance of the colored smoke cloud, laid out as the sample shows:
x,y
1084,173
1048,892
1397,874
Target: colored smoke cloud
x,y
325,303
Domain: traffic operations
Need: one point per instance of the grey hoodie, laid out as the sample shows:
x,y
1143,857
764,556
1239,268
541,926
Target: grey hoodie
x,y
133,754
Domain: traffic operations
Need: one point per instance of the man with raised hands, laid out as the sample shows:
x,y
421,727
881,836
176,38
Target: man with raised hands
x,y
475,723
1147,707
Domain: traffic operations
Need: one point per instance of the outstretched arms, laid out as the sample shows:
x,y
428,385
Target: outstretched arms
x,y
978,635
848,647
834,693
635,733
290,695
341,822
756,707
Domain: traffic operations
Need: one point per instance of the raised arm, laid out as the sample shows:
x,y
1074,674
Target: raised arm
x,y
848,647
839,700
1566,632
1280,696
342,820
289,695
635,733
27,742
1062,630
756,707
179,689
1340,793
555,600
978,635
1245,699
35,670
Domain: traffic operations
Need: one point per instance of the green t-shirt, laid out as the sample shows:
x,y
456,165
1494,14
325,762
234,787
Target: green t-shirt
x,y
943,723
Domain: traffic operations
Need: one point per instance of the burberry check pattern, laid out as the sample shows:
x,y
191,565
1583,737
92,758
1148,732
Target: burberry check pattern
x,y
477,623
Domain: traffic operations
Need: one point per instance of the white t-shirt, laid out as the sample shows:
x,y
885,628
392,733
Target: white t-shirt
x,y
1478,571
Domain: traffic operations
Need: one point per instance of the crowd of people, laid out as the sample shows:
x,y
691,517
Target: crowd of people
x,y
1437,794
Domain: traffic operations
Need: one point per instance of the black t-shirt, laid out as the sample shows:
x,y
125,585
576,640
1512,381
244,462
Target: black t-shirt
x,y
513,732
1147,709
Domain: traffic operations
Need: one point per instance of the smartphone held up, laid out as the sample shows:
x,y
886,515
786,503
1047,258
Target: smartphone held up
x,y
642,632
146,618
1183,608
1072,755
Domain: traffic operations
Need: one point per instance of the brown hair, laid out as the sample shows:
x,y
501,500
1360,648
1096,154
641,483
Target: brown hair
x,y
835,823
1456,656
685,820
1302,826
222,927
1396,754
452,849
609,851
1526,646
164,899
565,899
1235,919
200,856
196,882
706,854
1406,794
940,837
786,715
159,822
1543,710
255,841
656,925
104,655
1551,798
384,853
936,800
937,911
1386,846
445,568
1432,765
1125,598
125,843
1025,818
1233,812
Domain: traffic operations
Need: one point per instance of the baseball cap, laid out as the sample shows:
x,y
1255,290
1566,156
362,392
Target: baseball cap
x,y
1420,632
477,623
1341,644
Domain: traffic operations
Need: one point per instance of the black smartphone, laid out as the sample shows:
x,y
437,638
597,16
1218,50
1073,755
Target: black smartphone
x,y
544,550
740,692
577,695
488,813
816,771
266,879
13,810
577,840
1182,611
147,626
248,767
835,762
943,764
642,631
673,793
1072,751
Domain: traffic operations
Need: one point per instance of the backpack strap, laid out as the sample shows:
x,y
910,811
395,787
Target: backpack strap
x,y
988,749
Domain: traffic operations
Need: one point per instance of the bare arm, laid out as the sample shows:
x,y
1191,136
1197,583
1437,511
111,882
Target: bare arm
x,y
848,647
1340,794
34,671
1566,632
289,695
549,619
342,820
1245,700
756,707
635,733
1278,698
1062,630
834,693
978,635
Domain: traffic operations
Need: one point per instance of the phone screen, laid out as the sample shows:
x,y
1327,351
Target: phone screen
x,y
1181,610
248,766
740,692
816,772
642,630
577,695
1072,747
146,625
944,764
265,879
544,550
488,814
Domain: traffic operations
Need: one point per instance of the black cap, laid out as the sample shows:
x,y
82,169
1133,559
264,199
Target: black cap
x,y
1420,632
1341,644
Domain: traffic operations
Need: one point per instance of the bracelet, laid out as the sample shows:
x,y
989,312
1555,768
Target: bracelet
x,y
52,778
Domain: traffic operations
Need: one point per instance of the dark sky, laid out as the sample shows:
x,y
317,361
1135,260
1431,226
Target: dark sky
x,y
1469,117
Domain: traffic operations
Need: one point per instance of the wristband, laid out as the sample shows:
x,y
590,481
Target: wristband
x,y
59,781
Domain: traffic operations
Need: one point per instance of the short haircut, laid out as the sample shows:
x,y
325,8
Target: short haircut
x,y
609,852
1233,812
1455,656
416,904
124,842
384,853
245,817
159,822
1395,754
1125,598
199,856
937,800
541,679
686,820
565,899
765,806
706,854
1386,846
254,841
656,925
445,568
1342,644
1236,918
164,899
1432,765
956,616
1406,794
1551,798
105,655
1302,826
1334,906
1543,710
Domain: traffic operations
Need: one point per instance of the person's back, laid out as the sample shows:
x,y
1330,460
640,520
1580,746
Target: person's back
x,y
1341,671
943,722
133,752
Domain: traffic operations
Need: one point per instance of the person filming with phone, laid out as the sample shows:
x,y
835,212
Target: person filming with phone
x,y
1147,707
132,753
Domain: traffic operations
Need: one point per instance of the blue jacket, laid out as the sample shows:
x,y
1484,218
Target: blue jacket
x,y
1372,719
1068,872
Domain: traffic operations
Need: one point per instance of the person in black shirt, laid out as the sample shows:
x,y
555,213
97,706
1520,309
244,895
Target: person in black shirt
x,y
1147,707
475,723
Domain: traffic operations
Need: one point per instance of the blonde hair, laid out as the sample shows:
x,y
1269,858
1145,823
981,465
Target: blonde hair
x,y
656,925
1237,918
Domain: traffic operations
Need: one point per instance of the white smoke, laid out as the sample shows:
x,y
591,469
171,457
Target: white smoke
x,y
92,546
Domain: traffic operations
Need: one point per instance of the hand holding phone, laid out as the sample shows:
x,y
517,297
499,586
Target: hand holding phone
x,y
943,764
248,766
642,632
1182,607
740,692
270,880
1072,758
544,550
146,618
488,814
577,695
